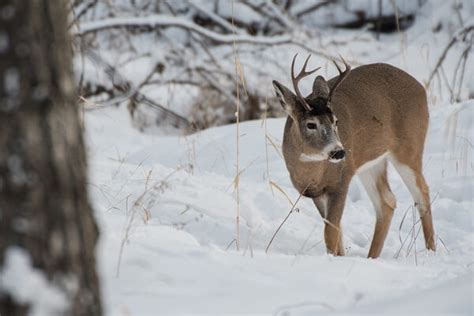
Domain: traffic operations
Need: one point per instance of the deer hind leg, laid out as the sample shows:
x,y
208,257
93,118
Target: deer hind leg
x,y
374,179
419,190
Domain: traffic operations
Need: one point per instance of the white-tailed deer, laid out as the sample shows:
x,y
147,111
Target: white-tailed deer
x,y
353,124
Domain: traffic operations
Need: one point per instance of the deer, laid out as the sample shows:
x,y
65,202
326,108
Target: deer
x,y
354,124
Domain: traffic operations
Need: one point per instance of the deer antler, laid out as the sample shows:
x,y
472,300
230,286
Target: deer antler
x,y
303,73
342,75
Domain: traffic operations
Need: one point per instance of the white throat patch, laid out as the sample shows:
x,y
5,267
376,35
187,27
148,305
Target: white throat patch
x,y
312,157
336,160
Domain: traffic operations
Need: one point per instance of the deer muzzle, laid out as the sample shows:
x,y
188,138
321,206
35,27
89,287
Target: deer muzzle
x,y
337,155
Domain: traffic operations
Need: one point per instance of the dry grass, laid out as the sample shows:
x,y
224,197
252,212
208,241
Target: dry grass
x,y
461,153
142,203
239,80
130,218
403,41
413,233
273,184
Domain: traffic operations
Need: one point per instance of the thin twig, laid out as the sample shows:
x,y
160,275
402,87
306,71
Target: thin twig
x,y
230,244
444,245
293,208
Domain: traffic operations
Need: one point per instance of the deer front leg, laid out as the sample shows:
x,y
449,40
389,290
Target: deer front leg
x,y
331,207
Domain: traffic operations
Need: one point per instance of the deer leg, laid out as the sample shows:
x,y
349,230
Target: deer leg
x,y
331,207
424,209
419,190
376,184
333,238
334,244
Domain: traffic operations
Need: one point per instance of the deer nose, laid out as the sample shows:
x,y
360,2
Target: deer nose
x,y
337,154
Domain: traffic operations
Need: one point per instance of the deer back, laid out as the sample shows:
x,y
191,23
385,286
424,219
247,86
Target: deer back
x,y
380,109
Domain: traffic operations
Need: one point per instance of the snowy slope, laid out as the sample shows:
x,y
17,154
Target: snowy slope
x,y
170,202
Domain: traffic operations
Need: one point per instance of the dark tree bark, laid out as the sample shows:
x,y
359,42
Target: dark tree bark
x,y
44,208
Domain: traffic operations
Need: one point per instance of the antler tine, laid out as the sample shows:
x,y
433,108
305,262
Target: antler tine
x,y
303,73
344,61
293,68
342,75
337,66
307,73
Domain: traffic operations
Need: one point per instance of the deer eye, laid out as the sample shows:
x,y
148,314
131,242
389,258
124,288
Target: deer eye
x,y
311,126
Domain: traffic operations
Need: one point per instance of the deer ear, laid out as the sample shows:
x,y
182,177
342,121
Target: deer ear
x,y
320,88
286,97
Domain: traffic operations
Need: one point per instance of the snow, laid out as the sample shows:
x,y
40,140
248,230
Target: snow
x,y
170,201
450,297
27,285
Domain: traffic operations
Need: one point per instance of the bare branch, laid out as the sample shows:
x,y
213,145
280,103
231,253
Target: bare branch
x,y
131,92
81,12
167,21
216,18
279,15
313,7
260,10
459,35
160,20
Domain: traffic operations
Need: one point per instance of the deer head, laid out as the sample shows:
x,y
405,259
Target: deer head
x,y
314,121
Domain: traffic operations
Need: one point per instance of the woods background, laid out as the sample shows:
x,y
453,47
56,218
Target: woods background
x,y
191,59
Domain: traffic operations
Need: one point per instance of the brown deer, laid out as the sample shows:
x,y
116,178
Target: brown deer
x,y
353,124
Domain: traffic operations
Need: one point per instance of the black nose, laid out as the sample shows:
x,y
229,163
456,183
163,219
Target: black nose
x,y
337,154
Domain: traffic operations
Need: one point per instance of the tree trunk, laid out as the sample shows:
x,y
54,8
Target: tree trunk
x,y
47,230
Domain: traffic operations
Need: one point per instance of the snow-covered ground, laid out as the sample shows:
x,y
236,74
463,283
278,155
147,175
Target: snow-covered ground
x,y
166,209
